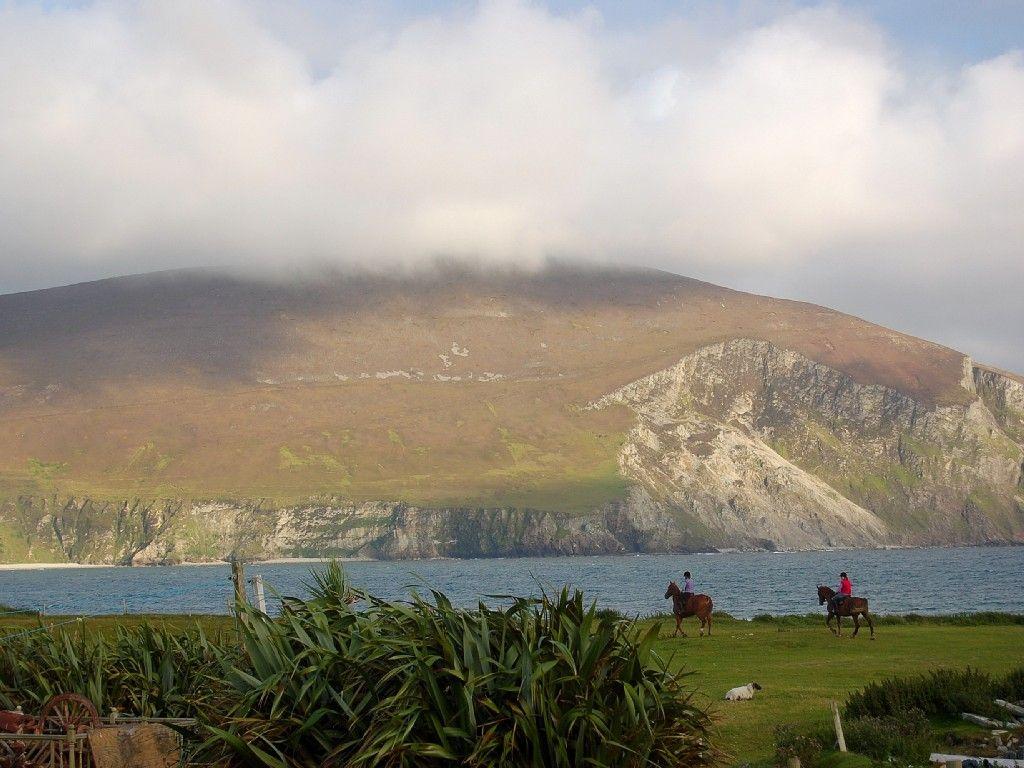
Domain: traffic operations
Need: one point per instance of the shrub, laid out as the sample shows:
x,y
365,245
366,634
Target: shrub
x,y
1012,686
903,739
792,741
941,692
844,760
610,614
7,610
546,682
982,618
145,670
978,619
907,737
542,682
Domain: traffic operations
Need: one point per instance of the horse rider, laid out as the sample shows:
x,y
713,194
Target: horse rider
x,y
687,587
845,590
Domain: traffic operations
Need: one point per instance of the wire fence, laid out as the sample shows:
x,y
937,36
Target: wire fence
x,y
44,628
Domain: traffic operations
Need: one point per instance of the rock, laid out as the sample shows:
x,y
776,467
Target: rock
x,y
739,445
761,443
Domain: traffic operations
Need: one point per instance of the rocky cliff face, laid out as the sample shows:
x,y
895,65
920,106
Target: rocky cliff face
x,y
1004,397
758,442
740,444
167,532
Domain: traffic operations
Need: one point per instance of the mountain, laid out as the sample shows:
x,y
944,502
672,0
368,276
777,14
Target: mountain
x,y
194,415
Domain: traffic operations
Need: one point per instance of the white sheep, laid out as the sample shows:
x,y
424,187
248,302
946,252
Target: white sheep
x,y
743,693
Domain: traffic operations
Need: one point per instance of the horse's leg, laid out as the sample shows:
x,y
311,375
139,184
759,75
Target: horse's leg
x,y
701,620
856,624
839,625
871,624
709,624
828,622
679,621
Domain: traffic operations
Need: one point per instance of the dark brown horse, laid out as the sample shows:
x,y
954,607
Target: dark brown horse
x,y
851,606
697,605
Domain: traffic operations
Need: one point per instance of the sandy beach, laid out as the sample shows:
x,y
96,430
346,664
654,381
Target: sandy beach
x,y
46,566
272,561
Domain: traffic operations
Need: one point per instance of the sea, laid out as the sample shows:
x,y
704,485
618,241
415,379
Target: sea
x,y
745,584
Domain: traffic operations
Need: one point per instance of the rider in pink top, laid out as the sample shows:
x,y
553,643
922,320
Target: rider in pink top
x,y
845,589
845,585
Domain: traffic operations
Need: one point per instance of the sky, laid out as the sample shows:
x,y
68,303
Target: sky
x,y
868,155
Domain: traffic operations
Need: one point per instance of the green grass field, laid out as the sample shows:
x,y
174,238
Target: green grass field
x,y
801,666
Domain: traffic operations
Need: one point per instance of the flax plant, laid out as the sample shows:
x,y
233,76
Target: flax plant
x,y
541,682
345,679
146,670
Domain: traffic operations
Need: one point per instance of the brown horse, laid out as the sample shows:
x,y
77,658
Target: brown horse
x,y
851,606
697,605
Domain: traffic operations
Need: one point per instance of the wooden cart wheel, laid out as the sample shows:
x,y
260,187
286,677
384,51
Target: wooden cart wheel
x,y
67,710
8,757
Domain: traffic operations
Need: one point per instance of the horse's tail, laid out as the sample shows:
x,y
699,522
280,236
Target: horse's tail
x,y
707,603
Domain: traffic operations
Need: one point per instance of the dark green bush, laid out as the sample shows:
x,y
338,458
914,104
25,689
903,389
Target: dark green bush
x,y
941,692
145,670
546,682
7,610
1012,686
610,614
983,618
905,738
793,741
844,760
979,619
716,616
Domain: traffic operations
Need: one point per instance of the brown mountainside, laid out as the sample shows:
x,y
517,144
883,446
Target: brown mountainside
x,y
188,415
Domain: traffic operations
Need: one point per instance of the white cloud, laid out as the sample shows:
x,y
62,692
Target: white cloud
x,y
168,133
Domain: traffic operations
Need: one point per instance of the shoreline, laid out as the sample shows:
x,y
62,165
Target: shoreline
x,y
49,566
315,560
198,564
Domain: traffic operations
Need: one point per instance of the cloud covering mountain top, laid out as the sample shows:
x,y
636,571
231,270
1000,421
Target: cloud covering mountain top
x,y
801,153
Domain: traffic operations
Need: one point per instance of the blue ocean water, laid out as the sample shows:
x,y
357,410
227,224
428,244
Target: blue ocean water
x,y
933,580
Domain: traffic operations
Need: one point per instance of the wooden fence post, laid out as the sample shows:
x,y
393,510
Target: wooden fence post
x,y
257,586
238,577
839,727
